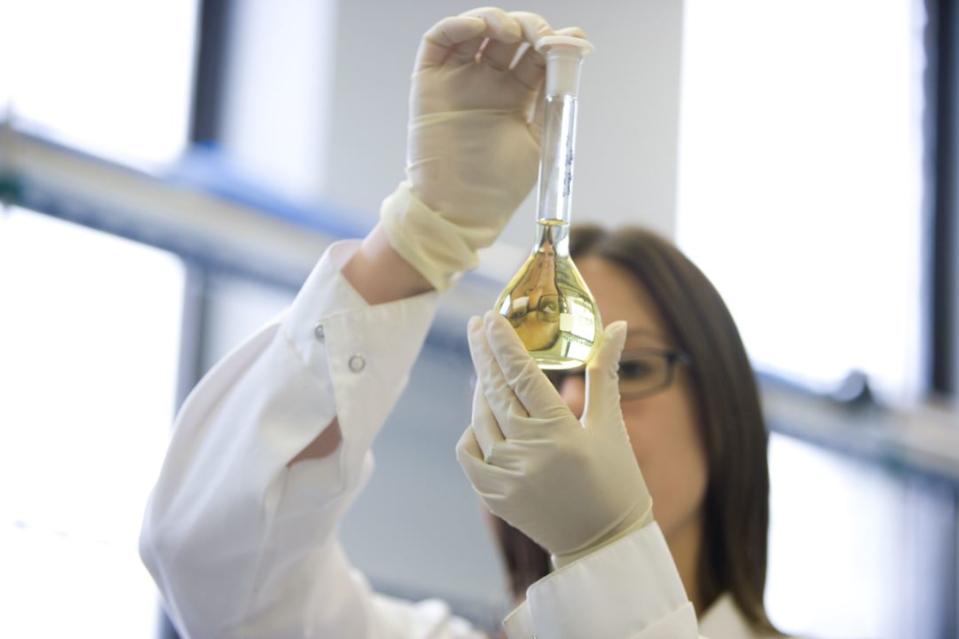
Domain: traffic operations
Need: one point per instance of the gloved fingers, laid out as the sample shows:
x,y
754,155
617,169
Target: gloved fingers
x,y
500,25
500,28
534,26
500,398
499,54
468,449
528,383
490,482
602,373
503,41
573,32
507,413
484,424
459,37
470,458
530,68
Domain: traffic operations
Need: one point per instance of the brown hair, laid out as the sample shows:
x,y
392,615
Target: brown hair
x,y
736,503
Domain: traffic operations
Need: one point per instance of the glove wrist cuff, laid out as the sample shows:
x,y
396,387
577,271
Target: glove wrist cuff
x,y
433,245
624,529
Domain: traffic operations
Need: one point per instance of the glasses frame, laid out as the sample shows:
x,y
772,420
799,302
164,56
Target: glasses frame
x,y
673,358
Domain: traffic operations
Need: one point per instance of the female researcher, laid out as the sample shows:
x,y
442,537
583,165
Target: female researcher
x,y
274,442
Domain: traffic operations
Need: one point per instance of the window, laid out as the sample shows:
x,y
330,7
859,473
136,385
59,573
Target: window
x,y
800,197
90,340
110,76
800,181
831,515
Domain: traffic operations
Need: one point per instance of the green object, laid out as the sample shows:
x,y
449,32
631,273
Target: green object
x,y
10,191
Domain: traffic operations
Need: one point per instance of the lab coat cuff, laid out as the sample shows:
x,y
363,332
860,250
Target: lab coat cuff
x,y
327,294
629,588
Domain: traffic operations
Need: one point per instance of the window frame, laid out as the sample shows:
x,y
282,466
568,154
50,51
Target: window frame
x,y
941,194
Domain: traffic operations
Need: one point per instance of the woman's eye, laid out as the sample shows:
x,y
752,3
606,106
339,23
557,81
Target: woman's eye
x,y
635,369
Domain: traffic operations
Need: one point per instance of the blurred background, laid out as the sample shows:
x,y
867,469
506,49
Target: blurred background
x,y
170,171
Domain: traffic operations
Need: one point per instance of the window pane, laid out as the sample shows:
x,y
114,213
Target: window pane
x,y
90,338
800,179
838,517
113,76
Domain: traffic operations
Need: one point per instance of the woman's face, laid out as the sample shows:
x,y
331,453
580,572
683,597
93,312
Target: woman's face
x,y
663,426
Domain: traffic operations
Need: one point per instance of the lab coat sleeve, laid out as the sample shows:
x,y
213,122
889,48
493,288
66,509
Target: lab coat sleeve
x,y
629,589
243,545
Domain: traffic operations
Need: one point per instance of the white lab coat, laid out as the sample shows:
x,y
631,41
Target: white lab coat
x,y
243,546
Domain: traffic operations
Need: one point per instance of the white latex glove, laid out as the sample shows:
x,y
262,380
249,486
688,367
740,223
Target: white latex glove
x,y
571,485
473,141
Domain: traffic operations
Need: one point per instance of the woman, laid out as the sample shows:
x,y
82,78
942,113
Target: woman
x,y
273,443
691,409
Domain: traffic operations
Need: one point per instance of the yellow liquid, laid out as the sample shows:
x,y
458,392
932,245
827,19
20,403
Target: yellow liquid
x,y
551,308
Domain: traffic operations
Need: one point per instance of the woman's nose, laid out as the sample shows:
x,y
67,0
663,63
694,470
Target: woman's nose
x,y
573,392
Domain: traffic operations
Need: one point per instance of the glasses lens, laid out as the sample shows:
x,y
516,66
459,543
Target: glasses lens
x,y
641,374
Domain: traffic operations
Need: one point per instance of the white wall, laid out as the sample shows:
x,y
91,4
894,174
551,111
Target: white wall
x,y
318,94
628,117
277,91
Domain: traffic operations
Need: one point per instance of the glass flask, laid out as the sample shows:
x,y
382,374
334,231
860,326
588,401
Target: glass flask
x,y
547,301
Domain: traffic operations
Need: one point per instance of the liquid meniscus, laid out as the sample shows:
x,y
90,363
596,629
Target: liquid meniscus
x,y
549,305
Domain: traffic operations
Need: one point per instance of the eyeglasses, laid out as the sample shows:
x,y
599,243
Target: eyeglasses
x,y
642,371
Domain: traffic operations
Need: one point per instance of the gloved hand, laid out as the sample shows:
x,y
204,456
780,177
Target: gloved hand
x,y
473,141
570,485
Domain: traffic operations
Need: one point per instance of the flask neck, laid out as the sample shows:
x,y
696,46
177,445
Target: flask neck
x,y
552,238
558,142
564,56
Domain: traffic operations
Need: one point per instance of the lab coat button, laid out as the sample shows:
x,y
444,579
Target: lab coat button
x,y
318,331
357,363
